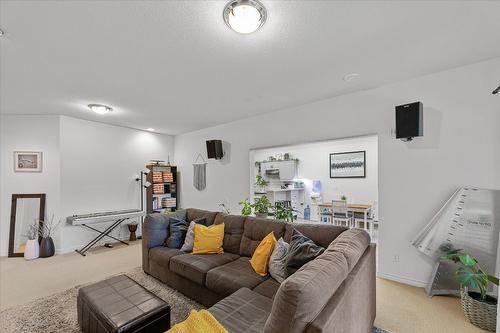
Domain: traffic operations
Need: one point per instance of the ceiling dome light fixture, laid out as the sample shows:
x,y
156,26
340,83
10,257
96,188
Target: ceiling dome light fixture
x,y
245,16
99,108
351,77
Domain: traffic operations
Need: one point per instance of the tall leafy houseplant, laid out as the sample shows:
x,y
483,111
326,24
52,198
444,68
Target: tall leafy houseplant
x,y
262,206
479,308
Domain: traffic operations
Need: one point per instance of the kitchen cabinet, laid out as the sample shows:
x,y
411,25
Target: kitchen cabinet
x,y
279,170
288,170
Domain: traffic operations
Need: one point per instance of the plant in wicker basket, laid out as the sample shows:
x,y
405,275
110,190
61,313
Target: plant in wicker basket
x,y
479,307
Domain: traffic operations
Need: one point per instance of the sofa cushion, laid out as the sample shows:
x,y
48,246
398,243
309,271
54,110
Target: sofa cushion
x,y
352,244
277,261
268,288
261,255
302,296
193,214
233,231
228,278
319,233
353,306
208,240
301,251
245,311
195,266
154,233
189,239
255,231
157,227
177,233
162,255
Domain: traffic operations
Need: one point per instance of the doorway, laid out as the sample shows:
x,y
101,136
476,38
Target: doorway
x,y
308,177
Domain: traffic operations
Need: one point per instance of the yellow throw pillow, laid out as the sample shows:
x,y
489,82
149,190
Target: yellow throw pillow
x,y
260,258
208,239
198,322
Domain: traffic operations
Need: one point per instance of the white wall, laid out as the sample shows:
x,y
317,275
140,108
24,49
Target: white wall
x,y
99,164
88,167
28,133
461,146
314,165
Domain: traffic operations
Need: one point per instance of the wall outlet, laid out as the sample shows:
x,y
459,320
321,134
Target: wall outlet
x,y
396,258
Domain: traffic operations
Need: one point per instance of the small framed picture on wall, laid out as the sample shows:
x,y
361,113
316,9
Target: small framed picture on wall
x,y
27,161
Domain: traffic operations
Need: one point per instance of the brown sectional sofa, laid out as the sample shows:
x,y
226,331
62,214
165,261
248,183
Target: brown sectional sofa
x,y
333,293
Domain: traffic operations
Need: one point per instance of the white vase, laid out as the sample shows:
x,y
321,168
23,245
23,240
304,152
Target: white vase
x,y
32,249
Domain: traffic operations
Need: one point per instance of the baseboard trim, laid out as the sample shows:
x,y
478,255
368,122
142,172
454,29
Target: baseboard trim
x,y
400,279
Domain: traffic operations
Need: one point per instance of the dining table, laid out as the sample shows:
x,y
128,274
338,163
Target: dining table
x,y
325,209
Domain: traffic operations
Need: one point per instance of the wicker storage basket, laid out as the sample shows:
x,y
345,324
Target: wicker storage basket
x,y
481,314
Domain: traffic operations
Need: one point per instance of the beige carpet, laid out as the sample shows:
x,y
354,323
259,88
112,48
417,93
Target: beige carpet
x,y
400,308
57,313
405,309
22,281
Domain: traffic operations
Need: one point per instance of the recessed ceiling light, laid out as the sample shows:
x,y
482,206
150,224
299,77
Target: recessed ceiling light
x,y
99,108
245,16
351,77
2,33
150,129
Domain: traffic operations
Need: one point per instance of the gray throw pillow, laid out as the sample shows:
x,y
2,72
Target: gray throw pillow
x,y
178,230
158,227
189,240
302,250
155,231
277,261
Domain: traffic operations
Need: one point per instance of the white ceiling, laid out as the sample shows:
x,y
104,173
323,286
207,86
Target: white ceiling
x,y
175,66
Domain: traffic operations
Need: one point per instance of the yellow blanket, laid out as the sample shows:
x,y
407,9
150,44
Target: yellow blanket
x,y
198,322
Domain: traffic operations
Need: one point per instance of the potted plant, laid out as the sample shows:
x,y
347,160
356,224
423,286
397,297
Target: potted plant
x,y
247,207
260,184
47,229
32,248
284,213
343,197
262,206
479,307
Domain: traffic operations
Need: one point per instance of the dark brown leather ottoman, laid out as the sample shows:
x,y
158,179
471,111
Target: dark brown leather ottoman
x,y
120,304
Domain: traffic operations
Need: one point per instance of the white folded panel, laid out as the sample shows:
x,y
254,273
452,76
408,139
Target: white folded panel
x,y
104,217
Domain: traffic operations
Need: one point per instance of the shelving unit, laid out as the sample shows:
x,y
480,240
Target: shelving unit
x,y
281,176
294,195
163,193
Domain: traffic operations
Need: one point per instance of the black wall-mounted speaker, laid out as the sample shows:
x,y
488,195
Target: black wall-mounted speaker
x,y
409,121
214,149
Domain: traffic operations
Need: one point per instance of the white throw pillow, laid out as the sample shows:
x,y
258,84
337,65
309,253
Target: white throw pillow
x,y
277,261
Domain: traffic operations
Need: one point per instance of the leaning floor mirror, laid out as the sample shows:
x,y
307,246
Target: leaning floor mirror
x,y
26,216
